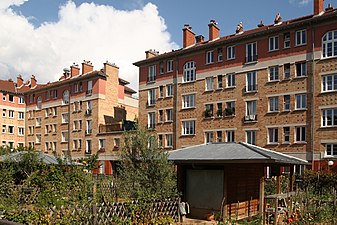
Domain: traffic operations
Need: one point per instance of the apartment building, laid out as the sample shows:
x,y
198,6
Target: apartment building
x,y
274,86
12,107
81,114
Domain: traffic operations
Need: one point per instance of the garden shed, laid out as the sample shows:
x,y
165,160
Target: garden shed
x,y
227,178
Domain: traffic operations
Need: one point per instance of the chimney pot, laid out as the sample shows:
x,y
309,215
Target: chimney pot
x,y
87,67
74,70
214,30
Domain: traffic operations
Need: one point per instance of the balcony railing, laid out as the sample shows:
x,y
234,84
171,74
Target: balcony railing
x,y
250,118
125,125
251,58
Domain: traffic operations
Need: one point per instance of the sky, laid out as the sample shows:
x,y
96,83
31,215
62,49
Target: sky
x,y
42,37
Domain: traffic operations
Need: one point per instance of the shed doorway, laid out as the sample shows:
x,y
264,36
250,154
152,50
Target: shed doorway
x,y
204,190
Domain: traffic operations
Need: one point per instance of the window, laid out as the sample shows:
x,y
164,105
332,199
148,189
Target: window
x,y
286,71
10,113
301,37
3,97
161,91
301,69
230,136
286,37
300,134
219,54
169,91
89,91
209,57
188,127
169,115
65,99
54,93
230,52
329,83
273,73
251,137
329,44
209,110
88,147
273,104
151,98
151,76
160,115
169,66
219,81
161,67
219,136
169,140
89,105
188,101
272,135
54,111
117,142
38,138
331,149
11,129
11,98
4,128
31,98
301,101
38,121
46,129
4,112
77,106
21,100
251,107
209,83
80,87
208,137
39,102
47,95
251,52
329,117
230,108
76,87
151,120
219,112
230,80
273,43
251,82
286,103
21,115
286,134
89,127
160,140
102,143
189,72
65,118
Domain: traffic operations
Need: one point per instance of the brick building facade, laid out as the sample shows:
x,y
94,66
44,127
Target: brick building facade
x,y
274,86
81,114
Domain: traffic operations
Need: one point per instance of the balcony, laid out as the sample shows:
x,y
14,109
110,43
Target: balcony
x,y
250,118
250,88
125,125
251,59
208,113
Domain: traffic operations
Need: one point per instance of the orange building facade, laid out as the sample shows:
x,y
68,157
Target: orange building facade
x,y
274,86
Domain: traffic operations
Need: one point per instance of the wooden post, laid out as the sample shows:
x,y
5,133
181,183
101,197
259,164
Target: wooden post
x,y
278,184
291,187
261,199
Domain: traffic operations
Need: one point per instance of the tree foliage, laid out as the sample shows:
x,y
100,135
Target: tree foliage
x,y
145,169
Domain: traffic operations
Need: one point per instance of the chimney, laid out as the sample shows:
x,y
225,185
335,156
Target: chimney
x,y
213,30
74,70
199,39
87,67
32,81
318,6
151,53
19,81
188,36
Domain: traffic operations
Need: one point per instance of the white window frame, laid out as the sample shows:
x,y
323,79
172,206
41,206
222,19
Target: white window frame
x,y
273,136
286,103
209,137
169,90
39,102
329,83
231,52
21,100
329,117
21,115
329,42
230,136
151,120
65,97
168,140
251,81
11,129
188,127
151,76
301,69
301,37
169,115
273,104
65,117
300,134
230,80
286,71
274,73
188,101
209,83
286,42
251,137
189,72
161,91
333,149
21,131
64,136
251,52
151,97
251,107
210,57
220,56
273,43
301,101
169,66
9,98
11,114
286,135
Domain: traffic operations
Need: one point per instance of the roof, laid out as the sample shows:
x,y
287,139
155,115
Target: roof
x,y
259,31
7,86
231,153
122,81
129,90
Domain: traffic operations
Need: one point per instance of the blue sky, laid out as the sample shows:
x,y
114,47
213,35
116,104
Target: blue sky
x,y
42,37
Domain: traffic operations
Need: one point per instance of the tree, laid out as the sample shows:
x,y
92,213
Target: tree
x,y
145,169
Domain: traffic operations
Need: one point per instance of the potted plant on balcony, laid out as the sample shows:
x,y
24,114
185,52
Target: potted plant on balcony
x,y
229,111
219,113
208,113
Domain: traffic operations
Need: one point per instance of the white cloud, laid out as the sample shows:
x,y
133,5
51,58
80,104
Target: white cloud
x,y
88,31
300,2
4,4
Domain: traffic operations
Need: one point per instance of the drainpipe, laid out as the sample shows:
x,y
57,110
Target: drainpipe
x,y
69,155
313,96
175,103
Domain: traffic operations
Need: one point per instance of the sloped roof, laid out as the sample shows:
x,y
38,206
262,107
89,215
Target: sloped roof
x,y
231,153
129,90
7,86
